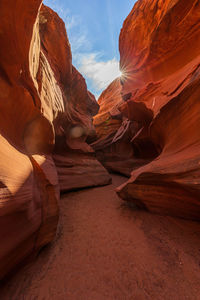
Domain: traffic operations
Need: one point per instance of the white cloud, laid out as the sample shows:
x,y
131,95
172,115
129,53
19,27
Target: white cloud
x,y
101,73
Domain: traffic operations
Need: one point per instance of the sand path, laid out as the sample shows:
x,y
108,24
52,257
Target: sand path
x,y
106,251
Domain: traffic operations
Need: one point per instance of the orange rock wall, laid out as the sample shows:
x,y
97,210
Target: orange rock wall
x,y
42,98
159,47
159,87
28,180
109,117
116,125
158,40
71,108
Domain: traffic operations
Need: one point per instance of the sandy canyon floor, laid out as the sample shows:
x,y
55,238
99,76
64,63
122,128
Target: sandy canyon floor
x,y
107,250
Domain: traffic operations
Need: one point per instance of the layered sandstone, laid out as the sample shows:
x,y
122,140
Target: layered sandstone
x,y
44,105
28,179
117,125
113,131
156,134
75,161
159,47
109,118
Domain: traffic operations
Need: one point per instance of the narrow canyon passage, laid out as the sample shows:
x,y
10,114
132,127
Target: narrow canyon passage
x,y
74,109
107,250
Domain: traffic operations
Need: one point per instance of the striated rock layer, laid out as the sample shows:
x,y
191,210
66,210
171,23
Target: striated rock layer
x,y
113,131
158,109
28,179
159,47
75,160
45,110
117,127
109,118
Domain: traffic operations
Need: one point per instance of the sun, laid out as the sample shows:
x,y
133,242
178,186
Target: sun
x,y
120,73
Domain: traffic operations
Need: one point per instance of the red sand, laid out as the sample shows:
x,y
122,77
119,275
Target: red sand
x,y
105,250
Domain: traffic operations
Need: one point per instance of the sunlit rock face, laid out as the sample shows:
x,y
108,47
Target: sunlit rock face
x,y
113,131
117,126
28,179
75,160
159,47
153,66
109,117
45,108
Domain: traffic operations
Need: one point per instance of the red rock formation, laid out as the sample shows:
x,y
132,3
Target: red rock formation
x,y
73,124
147,57
53,32
28,180
109,118
43,99
171,183
113,132
116,126
159,46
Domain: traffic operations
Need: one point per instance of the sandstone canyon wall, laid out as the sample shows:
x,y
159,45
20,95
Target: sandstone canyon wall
x,y
147,126
45,118
75,160
160,87
115,130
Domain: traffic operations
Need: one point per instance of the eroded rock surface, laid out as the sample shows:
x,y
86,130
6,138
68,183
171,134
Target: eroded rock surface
x,y
76,166
45,109
109,118
28,180
117,126
160,59
113,131
73,125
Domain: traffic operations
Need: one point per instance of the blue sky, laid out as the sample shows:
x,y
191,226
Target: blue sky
x,y
93,28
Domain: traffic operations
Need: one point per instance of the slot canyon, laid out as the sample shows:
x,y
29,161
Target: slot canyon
x,y
100,198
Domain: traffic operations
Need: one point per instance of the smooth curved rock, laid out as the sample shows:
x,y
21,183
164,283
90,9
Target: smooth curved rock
x,y
161,69
155,42
28,205
171,183
42,99
29,185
